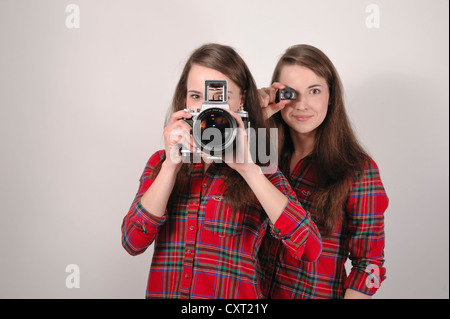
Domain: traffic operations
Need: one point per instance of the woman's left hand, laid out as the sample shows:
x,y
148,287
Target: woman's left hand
x,y
240,158
267,99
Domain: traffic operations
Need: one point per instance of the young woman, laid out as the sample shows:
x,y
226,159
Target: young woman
x,y
334,179
207,220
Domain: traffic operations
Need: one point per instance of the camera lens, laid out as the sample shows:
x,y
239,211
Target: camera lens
x,y
287,95
214,130
214,121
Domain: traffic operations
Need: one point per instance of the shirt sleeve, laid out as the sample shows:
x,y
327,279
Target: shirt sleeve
x,y
294,227
365,212
140,226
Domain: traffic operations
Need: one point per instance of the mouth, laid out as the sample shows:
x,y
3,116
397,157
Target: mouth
x,y
302,118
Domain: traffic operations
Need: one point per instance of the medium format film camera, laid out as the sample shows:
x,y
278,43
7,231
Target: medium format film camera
x,y
214,129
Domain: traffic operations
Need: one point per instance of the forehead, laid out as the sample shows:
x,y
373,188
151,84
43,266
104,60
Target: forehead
x,y
300,75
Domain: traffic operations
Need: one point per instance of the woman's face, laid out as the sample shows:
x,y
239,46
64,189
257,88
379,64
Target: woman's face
x,y
196,87
310,108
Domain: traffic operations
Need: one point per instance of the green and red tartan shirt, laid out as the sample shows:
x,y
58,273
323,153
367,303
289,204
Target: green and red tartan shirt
x,y
205,249
359,236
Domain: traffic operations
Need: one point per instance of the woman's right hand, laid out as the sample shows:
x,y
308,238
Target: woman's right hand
x,y
177,133
267,99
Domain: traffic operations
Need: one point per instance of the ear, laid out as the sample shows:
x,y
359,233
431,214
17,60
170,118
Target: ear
x,y
241,104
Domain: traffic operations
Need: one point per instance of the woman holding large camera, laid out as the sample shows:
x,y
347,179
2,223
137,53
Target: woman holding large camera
x,y
207,220
334,179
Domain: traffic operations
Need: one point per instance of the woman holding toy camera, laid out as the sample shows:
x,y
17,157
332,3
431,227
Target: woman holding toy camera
x,y
207,219
334,179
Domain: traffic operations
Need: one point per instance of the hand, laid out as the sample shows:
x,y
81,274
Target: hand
x,y
175,133
267,100
241,161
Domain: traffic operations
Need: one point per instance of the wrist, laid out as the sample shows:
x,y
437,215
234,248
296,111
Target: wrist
x,y
169,167
249,170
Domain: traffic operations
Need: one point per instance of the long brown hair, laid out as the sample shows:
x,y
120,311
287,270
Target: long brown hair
x,y
228,62
337,154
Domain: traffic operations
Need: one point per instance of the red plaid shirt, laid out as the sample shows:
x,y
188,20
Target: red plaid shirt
x,y
203,248
359,236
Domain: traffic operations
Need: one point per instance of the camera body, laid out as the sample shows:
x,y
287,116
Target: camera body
x,y
214,129
287,93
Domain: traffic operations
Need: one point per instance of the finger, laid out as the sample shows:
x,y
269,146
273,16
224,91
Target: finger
x,y
275,88
262,91
176,129
238,119
278,86
182,137
272,94
265,101
177,119
280,105
179,115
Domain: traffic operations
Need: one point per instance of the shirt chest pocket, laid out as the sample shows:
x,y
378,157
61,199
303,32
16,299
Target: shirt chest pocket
x,y
221,219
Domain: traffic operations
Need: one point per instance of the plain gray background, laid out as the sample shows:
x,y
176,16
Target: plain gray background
x,y
82,109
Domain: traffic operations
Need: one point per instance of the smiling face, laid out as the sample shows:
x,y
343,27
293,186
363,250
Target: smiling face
x,y
308,111
196,87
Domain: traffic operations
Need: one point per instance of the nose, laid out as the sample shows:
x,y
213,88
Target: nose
x,y
300,103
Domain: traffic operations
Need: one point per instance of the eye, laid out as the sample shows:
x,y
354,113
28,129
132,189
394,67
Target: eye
x,y
195,96
315,91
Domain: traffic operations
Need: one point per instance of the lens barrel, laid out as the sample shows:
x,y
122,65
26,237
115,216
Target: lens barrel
x,y
214,130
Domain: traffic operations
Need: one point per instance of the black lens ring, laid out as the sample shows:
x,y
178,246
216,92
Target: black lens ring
x,y
197,132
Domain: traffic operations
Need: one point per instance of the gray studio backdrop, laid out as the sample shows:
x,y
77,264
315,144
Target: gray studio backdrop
x,y
84,89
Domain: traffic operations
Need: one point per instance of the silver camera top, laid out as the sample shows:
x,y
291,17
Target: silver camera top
x,y
216,94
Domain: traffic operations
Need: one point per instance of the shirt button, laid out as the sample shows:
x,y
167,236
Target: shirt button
x,y
189,251
186,276
191,227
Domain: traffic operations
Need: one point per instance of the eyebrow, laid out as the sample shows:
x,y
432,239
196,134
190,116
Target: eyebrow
x,y
314,85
